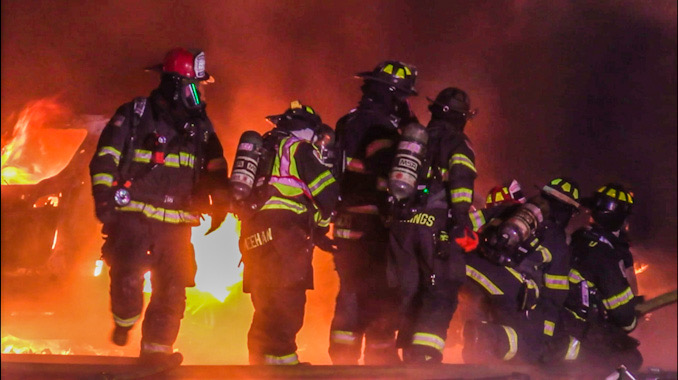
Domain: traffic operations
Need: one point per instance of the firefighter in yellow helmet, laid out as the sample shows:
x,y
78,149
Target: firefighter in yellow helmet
x,y
367,138
289,211
154,157
600,309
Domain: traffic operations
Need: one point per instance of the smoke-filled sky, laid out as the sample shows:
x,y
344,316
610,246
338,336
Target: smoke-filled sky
x,y
585,89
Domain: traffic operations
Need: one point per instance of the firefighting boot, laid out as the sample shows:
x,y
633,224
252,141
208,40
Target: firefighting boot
x,y
161,358
480,342
120,335
419,354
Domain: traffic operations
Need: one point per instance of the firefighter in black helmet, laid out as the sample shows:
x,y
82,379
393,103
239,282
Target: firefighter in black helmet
x,y
367,138
157,159
600,309
525,297
431,231
293,199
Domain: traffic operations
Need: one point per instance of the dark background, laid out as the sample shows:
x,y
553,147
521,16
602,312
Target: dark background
x,y
585,89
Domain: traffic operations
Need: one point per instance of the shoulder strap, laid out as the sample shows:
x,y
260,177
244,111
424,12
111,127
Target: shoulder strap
x,y
139,106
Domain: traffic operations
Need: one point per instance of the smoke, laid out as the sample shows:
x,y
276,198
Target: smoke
x,y
581,89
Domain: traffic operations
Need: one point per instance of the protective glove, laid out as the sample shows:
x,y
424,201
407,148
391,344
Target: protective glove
x,y
468,240
323,242
104,206
218,216
528,294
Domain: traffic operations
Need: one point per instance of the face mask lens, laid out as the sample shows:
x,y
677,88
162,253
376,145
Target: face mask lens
x,y
191,96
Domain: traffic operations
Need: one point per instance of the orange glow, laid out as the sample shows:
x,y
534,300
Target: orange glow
x,y
37,149
640,268
56,235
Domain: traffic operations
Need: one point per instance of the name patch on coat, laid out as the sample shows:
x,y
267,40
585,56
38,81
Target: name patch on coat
x,y
258,239
423,219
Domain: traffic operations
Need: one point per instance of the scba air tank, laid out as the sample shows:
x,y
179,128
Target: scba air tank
x,y
523,222
245,165
402,180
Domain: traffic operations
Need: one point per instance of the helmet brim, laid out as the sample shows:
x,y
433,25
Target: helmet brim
x,y
274,119
561,197
158,68
368,75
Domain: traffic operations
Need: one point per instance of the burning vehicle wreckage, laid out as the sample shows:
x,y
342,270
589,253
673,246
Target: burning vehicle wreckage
x,y
51,240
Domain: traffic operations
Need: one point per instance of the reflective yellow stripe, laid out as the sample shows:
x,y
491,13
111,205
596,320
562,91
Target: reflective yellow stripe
x,y
557,282
461,194
321,182
618,299
347,234
575,277
277,203
462,159
126,322
342,337
430,340
142,155
319,221
102,179
549,327
546,255
110,151
572,349
291,359
162,214
477,219
483,281
513,342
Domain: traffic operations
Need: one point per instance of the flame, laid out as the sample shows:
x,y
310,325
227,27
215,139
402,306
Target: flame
x,y
640,268
35,150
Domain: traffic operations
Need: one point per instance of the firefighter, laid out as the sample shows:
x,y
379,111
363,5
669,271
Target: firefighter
x,y
367,137
154,157
292,205
525,295
432,230
600,310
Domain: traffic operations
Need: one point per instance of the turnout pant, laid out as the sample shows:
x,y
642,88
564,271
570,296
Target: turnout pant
x,y
428,269
135,245
277,256
366,307
511,331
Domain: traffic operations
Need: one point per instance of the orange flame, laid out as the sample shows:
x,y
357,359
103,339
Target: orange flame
x,y
640,268
37,150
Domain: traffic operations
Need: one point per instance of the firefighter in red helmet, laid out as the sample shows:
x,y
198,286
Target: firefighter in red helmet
x,y
367,137
523,280
157,160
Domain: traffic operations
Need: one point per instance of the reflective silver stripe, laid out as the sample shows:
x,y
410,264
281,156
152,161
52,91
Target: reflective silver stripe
x,y
430,340
126,322
553,281
322,181
347,234
142,155
618,299
102,179
549,327
161,214
172,160
575,277
483,281
513,342
342,337
291,359
155,347
461,194
461,159
111,151
276,203
572,349
546,255
477,219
